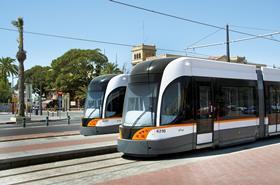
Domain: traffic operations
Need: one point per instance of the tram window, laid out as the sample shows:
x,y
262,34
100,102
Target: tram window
x,y
172,102
237,102
140,104
114,105
247,101
274,105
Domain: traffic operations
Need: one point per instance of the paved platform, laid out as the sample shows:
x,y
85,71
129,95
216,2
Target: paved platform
x,y
35,151
257,166
37,136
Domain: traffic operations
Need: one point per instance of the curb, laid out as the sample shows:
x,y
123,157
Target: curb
x,y
37,137
9,122
6,164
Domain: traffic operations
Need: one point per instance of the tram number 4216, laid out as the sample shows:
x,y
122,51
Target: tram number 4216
x,y
161,131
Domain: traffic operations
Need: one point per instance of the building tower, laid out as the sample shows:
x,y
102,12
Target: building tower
x,y
141,52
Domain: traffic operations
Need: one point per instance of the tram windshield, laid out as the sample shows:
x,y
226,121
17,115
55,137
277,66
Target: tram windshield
x,y
93,104
140,104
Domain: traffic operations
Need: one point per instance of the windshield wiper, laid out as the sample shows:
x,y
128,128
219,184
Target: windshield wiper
x,y
138,118
91,112
135,122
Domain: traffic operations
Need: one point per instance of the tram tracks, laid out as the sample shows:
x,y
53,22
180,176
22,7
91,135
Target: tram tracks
x,y
76,171
84,170
96,169
37,173
52,168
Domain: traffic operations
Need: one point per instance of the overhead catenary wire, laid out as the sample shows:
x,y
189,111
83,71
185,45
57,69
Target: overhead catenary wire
x,y
189,20
90,40
69,38
253,28
183,51
232,41
205,37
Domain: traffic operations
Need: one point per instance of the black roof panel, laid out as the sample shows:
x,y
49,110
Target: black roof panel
x,y
156,66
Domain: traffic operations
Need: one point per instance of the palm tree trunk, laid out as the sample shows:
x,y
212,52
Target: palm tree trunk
x,y
21,88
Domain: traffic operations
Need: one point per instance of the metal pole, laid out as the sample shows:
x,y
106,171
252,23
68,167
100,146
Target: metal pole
x,y
68,120
228,53
24,122
40,100
47,121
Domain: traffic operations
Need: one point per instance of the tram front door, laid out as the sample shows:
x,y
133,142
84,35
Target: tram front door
x,y
204,113
274,112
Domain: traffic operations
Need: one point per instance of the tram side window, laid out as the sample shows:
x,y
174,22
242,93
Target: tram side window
x,y
237,102
274,105
176,102
114,105
171,103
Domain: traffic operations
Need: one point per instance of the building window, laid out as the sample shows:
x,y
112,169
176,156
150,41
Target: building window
x,y
137,56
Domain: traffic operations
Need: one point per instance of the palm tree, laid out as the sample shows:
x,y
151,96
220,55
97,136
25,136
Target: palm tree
x,y
7,68
111,68
21,56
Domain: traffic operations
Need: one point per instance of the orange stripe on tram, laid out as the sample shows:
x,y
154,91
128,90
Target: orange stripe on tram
x,y
143,133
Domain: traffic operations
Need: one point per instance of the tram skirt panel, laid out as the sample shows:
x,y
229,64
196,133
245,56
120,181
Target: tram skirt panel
x,y
237,135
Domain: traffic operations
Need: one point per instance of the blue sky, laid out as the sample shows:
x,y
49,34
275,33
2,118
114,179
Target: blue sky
x,y
107,21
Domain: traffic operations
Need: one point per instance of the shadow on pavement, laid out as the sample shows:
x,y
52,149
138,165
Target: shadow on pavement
x,y
207,152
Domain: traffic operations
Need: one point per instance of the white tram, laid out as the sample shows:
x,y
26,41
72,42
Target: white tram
x,y
104,104
180,104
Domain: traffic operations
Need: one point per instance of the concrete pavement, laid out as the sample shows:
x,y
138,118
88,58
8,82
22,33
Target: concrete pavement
x,y
35,151
250,164
38,143
257,166
38,131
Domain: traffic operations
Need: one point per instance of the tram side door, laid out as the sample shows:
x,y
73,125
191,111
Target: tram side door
x,y
204,113
274,115
277,94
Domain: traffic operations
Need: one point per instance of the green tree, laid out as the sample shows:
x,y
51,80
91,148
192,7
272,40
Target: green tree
x,y
7,68
81,93
21,56
39,76
5,92
75,69
111,68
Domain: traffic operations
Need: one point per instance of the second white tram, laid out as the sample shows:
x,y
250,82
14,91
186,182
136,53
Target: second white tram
x,y
180,104
104,104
